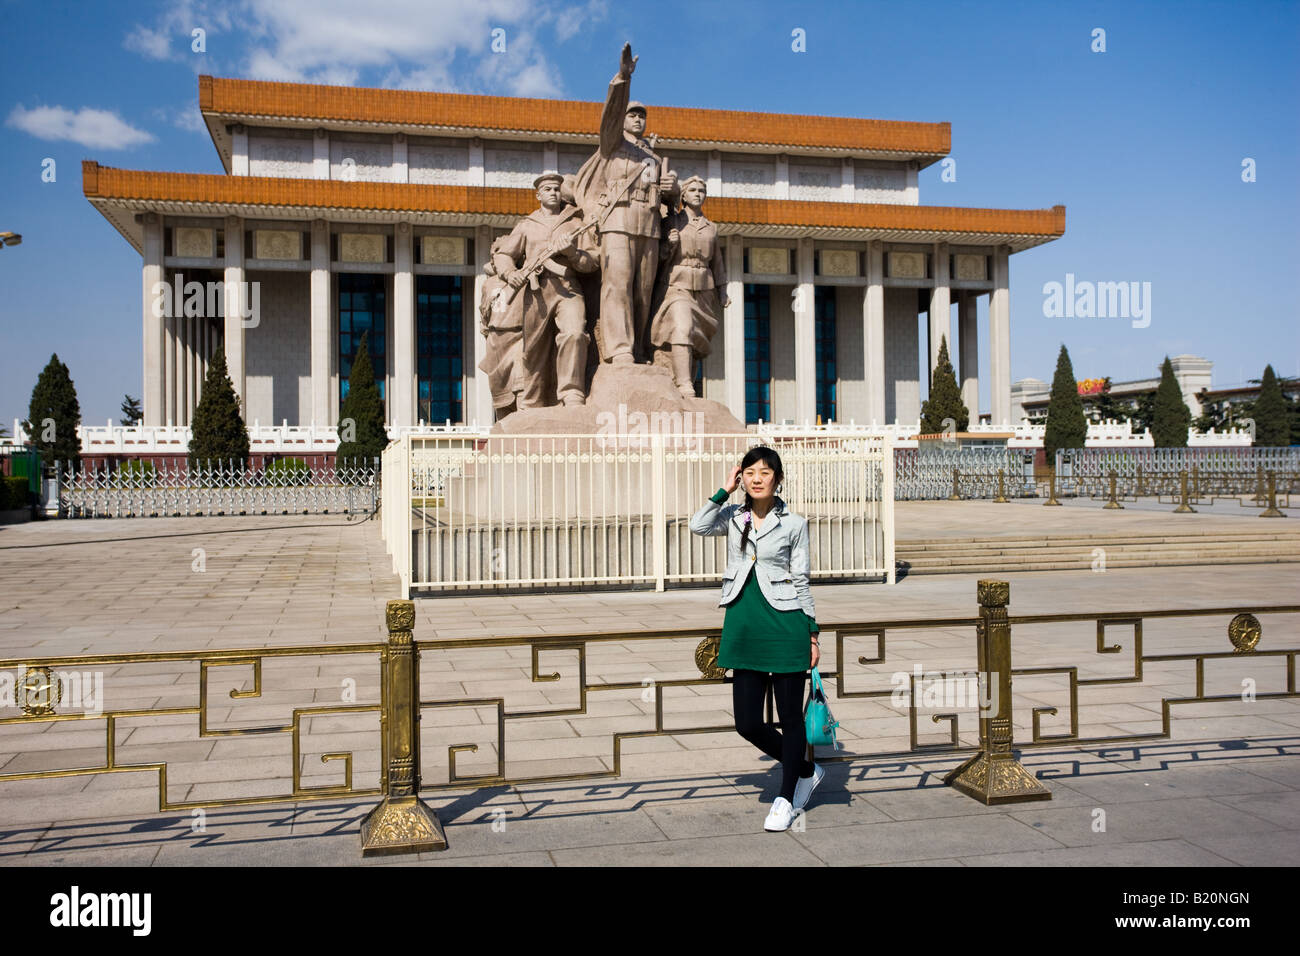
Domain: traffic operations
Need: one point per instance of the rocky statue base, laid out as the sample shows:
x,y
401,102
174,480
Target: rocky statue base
x,y
619,396
520,476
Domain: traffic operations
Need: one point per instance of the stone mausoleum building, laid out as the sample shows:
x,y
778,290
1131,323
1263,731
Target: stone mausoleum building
x,y
367,210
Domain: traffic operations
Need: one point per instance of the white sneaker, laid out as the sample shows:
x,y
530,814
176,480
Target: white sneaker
x,y
804,786
780,817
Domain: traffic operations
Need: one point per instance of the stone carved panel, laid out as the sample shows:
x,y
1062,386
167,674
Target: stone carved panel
x,y
511,167
277,244
839,262
360,161
906,265
881,184
442,250
816,183
274,156
969,266
362,247
756,180
447,165
767,260
194,243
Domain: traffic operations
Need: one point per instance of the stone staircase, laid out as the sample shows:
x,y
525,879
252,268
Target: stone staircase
x,y
1033,552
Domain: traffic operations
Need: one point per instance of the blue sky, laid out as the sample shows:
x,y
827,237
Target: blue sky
x,y
1143,143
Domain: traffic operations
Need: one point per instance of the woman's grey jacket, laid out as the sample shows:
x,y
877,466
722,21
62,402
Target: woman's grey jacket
x,y
778,551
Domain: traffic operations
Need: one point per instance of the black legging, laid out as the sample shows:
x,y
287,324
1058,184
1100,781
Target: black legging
x,y
788,746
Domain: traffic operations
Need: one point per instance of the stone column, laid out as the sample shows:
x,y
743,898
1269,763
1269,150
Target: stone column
x,y
320,155
400,169
1000,338
182,370
321,340
235,299
479,408
401,409
873,333
715,174
805,337
940,308
195,357
476,175
968,335
733,334
848,179
781,189
169,359
151,274
239,150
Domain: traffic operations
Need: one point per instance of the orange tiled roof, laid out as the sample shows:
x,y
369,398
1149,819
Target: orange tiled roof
x,y
358,104
104,182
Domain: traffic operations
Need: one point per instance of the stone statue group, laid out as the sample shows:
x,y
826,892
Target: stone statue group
x,y
626,218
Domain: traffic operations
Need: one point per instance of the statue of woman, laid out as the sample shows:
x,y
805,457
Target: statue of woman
x,y
696,279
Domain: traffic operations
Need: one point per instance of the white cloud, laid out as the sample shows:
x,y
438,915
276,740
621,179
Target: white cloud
x,y
406,44
100,129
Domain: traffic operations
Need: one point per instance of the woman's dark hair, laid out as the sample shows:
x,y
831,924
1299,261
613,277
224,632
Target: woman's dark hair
x,y
769,457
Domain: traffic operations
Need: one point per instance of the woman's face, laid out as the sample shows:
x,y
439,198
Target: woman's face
x,y
759,479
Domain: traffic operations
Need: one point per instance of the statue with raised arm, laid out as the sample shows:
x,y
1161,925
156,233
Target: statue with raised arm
x,y
622,185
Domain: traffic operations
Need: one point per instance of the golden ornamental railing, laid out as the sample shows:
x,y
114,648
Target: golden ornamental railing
x,y
403,823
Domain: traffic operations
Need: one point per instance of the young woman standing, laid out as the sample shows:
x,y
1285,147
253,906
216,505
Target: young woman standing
x,y
769,634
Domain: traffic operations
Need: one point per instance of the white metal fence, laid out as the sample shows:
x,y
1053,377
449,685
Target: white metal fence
x,y
505,511
143,489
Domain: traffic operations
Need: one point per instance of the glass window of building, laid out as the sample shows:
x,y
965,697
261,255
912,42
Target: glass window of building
x,y
438,337
824,350
362,305
758,353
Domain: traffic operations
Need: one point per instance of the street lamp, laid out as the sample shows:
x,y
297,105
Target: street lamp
x,y
9,239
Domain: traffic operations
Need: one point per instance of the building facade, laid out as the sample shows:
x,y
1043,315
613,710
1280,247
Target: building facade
x,y
344,211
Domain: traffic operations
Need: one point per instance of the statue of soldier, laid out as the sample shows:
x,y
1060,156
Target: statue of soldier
x,y
622,184
554,316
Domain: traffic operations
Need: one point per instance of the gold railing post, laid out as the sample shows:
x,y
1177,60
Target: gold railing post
x,y
402,823
1259,485
955,496
1111,502
1140,489
1272,510
994,775
1001,499
1183,507
1051,489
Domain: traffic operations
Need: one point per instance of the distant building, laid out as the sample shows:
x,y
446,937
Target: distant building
x,y
341,211
1030,396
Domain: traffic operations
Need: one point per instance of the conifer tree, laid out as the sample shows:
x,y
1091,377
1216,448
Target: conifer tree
x,y
1170,416
217,433
131,411
1066,426
361,416
1272,428
945,397
53,416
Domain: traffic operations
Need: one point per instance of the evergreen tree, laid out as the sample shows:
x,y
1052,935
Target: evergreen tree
x,y
945,397
1142,416
53,416
1272,427
1066,426
131,411
1108,407
361,416
217,433
1170,416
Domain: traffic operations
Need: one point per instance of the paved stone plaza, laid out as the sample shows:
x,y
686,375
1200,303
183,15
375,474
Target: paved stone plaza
x,y
1223,791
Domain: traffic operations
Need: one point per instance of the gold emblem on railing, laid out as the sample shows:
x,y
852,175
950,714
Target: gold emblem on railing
x,y
706,658
1244,632
40,691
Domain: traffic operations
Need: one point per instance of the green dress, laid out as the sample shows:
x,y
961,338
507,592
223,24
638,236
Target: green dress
x,y
758,637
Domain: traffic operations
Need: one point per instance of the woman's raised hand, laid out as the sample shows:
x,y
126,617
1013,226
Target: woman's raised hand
x,y
733,479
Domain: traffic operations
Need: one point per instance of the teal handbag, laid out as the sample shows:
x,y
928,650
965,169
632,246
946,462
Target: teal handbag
x,y
818,723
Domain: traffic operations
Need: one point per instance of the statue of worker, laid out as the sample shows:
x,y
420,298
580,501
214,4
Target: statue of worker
x,y
695,279
622,185
554,315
